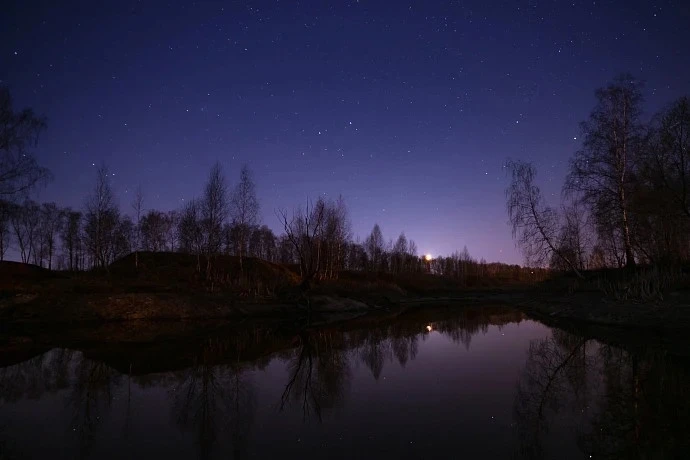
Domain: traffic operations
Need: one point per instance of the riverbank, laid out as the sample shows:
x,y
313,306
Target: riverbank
x,y
155,345
170,287
167,286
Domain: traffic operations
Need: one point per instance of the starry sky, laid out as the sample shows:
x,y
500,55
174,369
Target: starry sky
x,y
406,108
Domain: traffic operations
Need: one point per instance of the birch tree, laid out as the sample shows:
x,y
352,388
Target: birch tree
x,y
244,210
534,225
19,133
602,172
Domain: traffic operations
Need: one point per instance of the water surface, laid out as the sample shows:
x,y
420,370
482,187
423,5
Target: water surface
x,y
474,383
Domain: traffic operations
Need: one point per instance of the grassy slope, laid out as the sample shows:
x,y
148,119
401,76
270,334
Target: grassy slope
x,y
166,285
169,286
176,286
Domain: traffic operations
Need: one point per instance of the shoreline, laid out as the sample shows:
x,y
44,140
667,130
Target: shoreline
x,y
585,308
666,326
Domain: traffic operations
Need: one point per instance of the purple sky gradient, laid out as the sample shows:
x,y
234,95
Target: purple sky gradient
x,y
407,109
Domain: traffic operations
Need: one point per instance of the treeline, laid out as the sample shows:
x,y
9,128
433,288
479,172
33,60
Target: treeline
x,y
223,220
317,238
627,191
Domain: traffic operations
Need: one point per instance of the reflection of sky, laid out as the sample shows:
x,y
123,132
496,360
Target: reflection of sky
x,y
446,396
448,399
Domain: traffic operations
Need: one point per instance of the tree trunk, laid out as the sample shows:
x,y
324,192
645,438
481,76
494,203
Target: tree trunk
x,y
629,255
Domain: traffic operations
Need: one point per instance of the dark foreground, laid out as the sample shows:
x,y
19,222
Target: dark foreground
x,y
171,287
480,382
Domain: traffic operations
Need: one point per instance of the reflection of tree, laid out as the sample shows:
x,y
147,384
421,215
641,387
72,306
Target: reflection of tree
x,y
462,327
242,409
91,397
47,372
633,404
644,410
405,348
318,375
374,352
544,387
215,400
196,403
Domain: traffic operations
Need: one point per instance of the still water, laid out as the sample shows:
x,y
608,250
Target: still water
x,y
474,383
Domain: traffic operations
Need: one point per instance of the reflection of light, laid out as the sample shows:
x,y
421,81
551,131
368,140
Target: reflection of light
x,y
428,328
427,257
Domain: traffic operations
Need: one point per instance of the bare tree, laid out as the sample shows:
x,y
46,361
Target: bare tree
x,y
5,231
214,212
285,251
154,230
334,234
100,220
52,219
670,153
374,245
302,231
262,244
138,206
25,222
123,237
534,225
572,240
399,253
191,231
19,131
172,236
602,171
661,197
412,249
71,238
244,209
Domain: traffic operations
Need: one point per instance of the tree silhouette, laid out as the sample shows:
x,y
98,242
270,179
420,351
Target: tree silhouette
x,y
602,172
19,132
534,225
244,210
101,220
318,375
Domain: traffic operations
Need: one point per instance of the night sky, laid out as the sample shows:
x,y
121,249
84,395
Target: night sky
x,y
406,108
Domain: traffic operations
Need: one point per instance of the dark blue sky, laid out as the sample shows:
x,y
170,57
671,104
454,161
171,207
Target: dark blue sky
x,y
407,109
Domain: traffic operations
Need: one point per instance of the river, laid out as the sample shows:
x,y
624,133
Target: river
x,y
463,383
